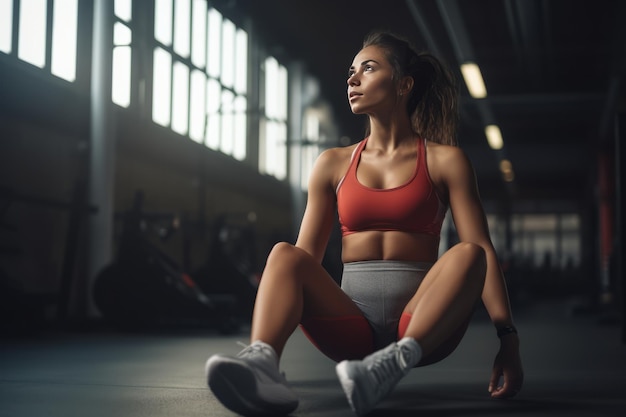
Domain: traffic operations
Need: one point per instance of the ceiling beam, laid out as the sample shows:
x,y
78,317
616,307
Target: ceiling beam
x,y
457,32
424,27
464,52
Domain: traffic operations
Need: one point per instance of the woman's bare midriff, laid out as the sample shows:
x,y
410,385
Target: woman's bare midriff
x,y
392,245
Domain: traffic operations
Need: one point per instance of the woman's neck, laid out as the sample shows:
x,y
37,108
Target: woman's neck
x,y
390,135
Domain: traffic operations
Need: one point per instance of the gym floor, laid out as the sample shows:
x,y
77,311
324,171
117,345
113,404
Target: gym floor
x,y
575,366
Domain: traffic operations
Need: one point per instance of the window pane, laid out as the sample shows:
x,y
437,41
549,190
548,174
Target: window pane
x,y
275,89
213,96
275,150
214,43
6,25
227,133
270,147
163,21
32,32
161,94
123,9
181,27
122,34
198,103
228,53
121,75
309,151
271,85
311,126
180,98
64,39
281,152
239,150
281,93
198,41
213,131
212,139
241,77
274,147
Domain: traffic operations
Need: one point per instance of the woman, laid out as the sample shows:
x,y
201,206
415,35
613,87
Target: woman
x,y
398,306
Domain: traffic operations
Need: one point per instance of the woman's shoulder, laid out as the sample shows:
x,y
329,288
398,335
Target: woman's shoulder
x,y
337,155
445,154
443,150
332,163
446,161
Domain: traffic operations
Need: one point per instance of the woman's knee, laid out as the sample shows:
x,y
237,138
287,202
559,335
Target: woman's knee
x,y
474,254
281,250
285,257
284,252
280,255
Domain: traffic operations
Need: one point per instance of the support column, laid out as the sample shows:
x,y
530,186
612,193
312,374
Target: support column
x,y
295,144
606,226
620,180
102,149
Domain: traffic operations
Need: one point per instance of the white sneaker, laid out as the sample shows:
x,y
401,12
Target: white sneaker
x,y
368,381
250,383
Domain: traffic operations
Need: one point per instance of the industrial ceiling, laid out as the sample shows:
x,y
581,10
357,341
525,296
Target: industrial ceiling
x,y
554,72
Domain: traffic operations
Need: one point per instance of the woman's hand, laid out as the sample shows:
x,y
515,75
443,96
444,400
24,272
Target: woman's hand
x,y
508,367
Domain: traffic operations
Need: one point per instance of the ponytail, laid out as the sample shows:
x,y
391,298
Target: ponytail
x,y
433,101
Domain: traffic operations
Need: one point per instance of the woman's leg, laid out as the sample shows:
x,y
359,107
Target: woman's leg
x,y
445,300
440,308
294,285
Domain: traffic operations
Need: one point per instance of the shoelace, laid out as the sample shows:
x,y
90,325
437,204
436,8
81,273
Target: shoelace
x,y
389,366
254,350
384,369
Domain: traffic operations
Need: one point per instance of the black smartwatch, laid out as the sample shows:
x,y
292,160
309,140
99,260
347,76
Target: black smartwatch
x,y
503,331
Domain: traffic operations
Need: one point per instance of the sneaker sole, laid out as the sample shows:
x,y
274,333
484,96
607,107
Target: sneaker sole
x,y
235,386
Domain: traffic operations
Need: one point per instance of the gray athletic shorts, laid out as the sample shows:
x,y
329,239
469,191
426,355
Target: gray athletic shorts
x,y
382,289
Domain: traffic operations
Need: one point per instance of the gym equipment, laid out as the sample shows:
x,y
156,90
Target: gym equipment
x,y
230,268
145,288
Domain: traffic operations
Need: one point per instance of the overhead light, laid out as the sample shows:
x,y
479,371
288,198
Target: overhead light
x,y
474,80
506,167
494,136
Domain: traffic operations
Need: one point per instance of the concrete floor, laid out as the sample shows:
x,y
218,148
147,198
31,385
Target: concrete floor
x,y
574,367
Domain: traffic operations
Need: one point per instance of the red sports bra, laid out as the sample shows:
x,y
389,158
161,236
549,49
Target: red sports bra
x,y
413,207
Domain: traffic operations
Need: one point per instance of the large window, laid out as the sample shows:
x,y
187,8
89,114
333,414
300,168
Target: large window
x,y
273,132
196,72
46,38
547,240
200,75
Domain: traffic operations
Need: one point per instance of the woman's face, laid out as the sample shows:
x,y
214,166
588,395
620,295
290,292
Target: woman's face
x,y
371,87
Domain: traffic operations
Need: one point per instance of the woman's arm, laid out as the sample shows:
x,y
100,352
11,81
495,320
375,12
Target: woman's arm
x,y
459,180
471,225
318,218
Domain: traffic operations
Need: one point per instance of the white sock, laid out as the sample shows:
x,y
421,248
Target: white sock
x,y
412,351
